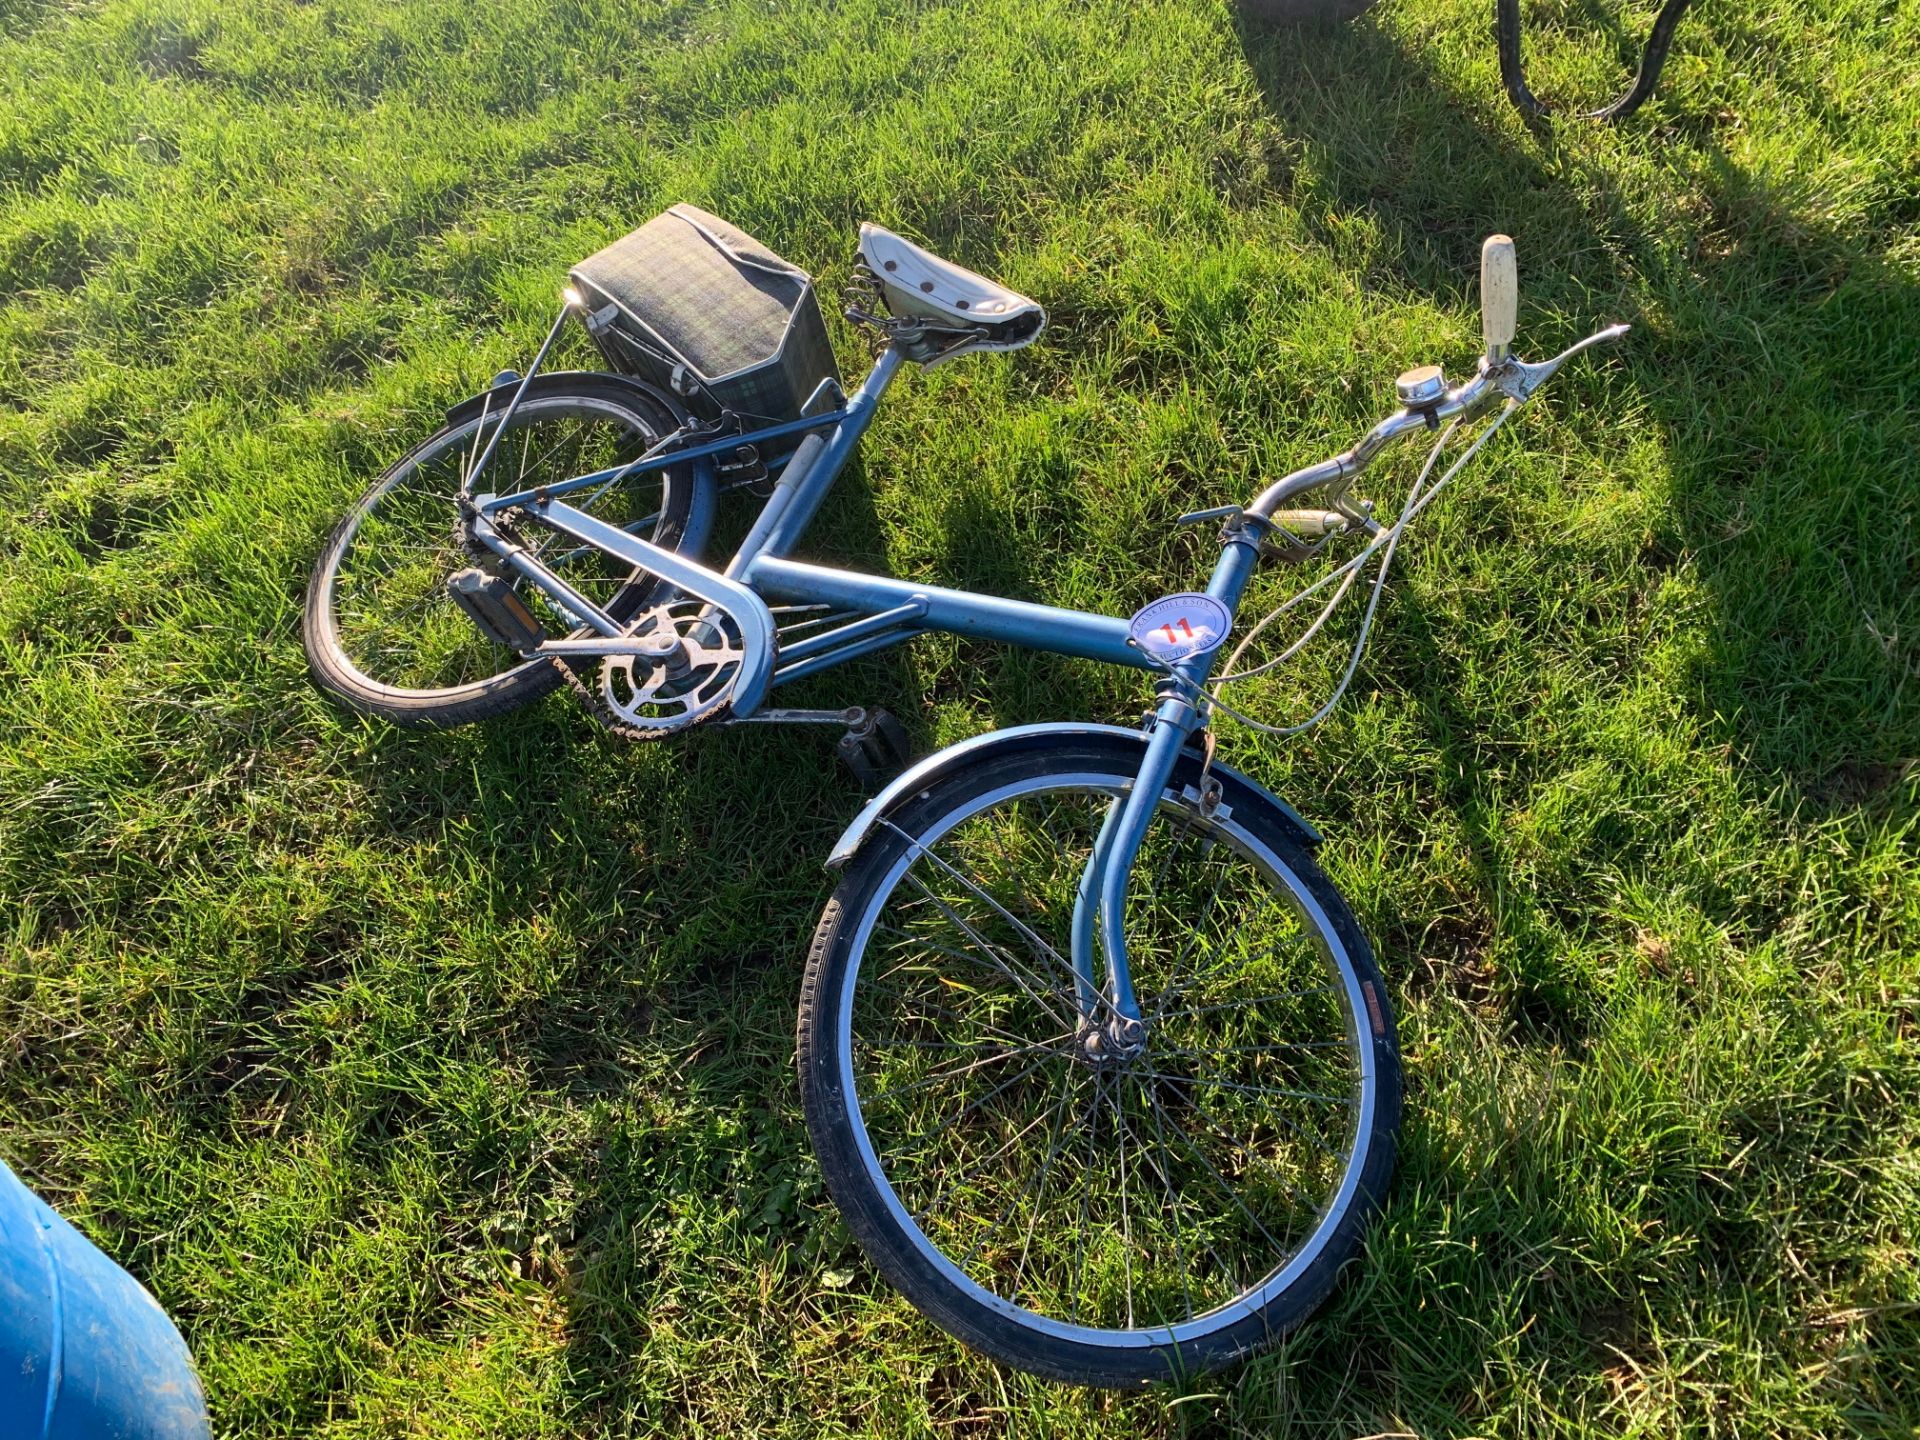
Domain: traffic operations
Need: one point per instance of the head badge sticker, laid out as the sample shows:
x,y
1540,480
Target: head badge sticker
x,y
1178,627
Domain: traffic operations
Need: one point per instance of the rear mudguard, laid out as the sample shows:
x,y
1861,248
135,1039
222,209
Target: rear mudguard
x,y
549,382
996,743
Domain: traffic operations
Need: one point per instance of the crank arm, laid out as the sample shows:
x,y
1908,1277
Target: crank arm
x,y
852,717
576,649
746,608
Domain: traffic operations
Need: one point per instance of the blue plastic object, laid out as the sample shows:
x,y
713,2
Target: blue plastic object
x,y
85,1352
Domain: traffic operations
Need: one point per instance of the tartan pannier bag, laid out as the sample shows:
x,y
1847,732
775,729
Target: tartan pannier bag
x,y
689,302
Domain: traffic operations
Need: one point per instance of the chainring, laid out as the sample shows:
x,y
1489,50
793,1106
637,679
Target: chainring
x,y
699,654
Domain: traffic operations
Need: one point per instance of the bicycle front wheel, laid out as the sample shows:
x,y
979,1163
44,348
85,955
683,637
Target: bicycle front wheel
x,y
381,631
1094,1216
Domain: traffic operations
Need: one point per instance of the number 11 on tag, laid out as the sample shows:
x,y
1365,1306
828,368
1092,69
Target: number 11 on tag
x,y
1178,627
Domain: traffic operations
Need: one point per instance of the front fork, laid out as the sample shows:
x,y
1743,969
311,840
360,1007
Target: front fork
x,y
1110,1017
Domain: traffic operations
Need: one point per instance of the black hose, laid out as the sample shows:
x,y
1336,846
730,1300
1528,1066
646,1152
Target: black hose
x,y
1512,72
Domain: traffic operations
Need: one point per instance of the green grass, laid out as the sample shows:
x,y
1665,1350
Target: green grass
x,y
442,1085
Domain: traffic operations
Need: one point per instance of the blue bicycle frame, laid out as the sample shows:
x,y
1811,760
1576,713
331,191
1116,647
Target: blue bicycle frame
x,y
888,611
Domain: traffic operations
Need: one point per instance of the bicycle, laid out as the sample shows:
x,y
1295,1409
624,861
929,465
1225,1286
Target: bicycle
x,y
1099,1067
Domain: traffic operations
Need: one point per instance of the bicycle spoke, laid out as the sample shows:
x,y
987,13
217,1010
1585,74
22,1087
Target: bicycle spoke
x,y
952,1014
593,497
1194,1149
1302,1201
953,954
984,1165
1254,1089
1103,1190
1229,1273
1173,849
1255,1000
1174,984
1126,1229
1173,1213
995,1228
1060,847
1276,1046
473,451
1045,950
910,1044
1033,1220
1086,1199
1070,993
1005,967
1175,990
1048,1046
526,444
997,1090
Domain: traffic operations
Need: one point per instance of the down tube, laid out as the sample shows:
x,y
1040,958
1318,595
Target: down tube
x,y
1175,721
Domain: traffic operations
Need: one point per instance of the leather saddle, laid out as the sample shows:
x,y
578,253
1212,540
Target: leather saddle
x,y
919,285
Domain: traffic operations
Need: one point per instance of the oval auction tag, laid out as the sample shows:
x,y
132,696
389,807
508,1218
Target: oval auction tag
x,y
1178,627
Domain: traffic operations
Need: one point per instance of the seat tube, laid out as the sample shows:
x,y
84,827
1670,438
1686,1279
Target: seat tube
x,y
783,532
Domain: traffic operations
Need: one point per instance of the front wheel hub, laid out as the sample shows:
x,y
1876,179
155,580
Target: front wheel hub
x,y
1117,1042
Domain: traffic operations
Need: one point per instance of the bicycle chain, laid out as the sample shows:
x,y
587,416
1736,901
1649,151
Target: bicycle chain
x,y
589,695
507,526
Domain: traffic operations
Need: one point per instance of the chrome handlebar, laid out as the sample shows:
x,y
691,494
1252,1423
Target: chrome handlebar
x,y
1427,402
1425,399
1508,377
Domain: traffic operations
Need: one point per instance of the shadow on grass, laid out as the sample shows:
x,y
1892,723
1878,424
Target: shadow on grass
x,y
692,873
1769,345
1772,350
716,1052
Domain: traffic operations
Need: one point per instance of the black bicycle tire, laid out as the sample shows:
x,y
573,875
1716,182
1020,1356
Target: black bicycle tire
x,y
853,1188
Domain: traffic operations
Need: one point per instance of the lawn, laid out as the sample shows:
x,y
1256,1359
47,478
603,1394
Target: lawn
x,y
441,1084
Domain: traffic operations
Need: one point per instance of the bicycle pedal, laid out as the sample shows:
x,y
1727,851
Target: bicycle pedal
x,y
496,609
875,749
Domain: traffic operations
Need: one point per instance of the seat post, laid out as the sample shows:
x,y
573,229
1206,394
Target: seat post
x,y
809,489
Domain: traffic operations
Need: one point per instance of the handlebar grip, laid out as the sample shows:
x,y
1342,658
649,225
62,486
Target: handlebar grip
x,y
1499,295
1312,523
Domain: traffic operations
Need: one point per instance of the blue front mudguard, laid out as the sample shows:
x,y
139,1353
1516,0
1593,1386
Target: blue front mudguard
x,y
996,743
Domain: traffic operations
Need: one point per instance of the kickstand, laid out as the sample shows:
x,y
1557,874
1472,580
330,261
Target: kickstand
x,y
1506,21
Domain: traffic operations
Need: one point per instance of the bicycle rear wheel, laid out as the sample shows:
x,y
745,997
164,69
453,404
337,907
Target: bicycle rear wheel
x,y
1097,1218
380,630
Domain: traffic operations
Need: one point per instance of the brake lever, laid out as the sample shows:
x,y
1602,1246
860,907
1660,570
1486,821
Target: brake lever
x,y
1517,380
1219,512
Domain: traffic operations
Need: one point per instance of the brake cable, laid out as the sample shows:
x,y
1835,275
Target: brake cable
x,y
1384,544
